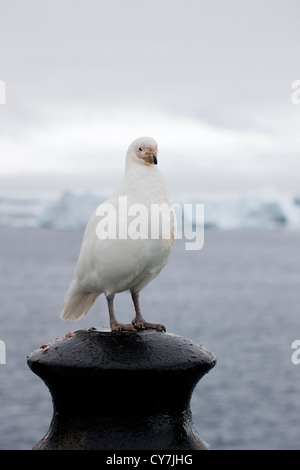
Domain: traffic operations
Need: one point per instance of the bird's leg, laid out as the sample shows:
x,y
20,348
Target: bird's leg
x,y
139,321
114,324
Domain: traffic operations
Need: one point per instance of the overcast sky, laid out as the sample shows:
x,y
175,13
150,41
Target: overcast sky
x,y
210,80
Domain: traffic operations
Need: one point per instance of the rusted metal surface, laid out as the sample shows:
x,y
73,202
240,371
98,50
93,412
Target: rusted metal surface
x,y
121,391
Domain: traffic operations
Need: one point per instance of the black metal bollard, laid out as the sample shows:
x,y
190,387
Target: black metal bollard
x,y
123,391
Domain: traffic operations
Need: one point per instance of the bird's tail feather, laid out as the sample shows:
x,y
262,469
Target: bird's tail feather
x,y
78,303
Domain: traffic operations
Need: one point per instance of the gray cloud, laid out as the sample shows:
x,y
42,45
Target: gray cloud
x,y
103,65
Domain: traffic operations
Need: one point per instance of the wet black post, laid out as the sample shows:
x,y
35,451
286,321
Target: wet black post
x,y
123,391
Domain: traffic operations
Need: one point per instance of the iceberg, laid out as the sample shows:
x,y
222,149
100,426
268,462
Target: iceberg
x,y
263,210
70,212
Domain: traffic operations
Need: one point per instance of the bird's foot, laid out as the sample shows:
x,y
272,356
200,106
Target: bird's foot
x,y
144,325
118,327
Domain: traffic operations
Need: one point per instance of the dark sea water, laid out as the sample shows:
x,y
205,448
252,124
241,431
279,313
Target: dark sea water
x,y
239,296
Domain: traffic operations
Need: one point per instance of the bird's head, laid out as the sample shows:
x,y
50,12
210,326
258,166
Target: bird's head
x,y
143,150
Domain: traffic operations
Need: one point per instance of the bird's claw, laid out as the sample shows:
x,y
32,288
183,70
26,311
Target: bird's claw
x,y
138,326
143,325
119,327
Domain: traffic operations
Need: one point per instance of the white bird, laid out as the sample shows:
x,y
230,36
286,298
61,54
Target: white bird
x,y
121,252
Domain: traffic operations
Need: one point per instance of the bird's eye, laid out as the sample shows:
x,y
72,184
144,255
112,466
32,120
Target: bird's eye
x,y
140,149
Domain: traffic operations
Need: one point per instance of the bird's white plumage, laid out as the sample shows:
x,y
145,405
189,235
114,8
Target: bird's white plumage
x,y
109,265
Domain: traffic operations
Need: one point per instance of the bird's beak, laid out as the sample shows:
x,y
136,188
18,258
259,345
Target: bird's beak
x,y
154,160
